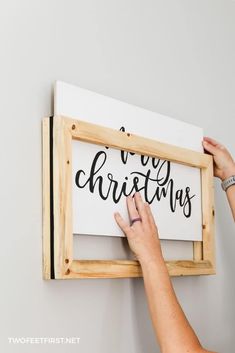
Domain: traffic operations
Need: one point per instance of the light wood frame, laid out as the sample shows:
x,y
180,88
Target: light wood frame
x,y
58,262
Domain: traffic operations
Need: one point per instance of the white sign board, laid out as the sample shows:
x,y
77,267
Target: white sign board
x,y
102,177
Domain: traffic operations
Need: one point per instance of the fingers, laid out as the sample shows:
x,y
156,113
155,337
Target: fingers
x,y
136,208
122,224
132,211
211,141
210,147
141,207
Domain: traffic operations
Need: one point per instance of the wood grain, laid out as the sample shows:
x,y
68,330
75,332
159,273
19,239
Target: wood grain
x,y
65,129
46,199
104,136
128,268
208,214
63,236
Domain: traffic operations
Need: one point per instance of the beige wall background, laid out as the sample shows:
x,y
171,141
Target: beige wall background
x,y
173,57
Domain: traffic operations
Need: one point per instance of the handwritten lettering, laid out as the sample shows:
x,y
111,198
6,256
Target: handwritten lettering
x,y
156,182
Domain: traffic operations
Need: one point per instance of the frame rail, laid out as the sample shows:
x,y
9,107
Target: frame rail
x,y
58,262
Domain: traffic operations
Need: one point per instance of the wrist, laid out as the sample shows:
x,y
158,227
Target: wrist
x,y
151,260
154,267
228,172
228,183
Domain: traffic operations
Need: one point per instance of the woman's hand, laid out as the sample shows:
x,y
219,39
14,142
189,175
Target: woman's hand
x,y
142,235
224,165
166,313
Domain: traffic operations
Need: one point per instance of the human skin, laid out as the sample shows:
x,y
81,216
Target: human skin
x,y
224,166
166,312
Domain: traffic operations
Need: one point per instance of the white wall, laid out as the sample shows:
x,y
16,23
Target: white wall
x,y
172,57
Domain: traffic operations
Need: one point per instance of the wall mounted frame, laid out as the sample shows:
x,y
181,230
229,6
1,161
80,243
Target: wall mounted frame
x,y
58,261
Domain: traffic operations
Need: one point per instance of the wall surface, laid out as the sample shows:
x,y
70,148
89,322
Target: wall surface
x,y
173,57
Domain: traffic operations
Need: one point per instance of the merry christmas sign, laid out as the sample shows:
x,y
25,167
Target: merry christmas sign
x,y
102,177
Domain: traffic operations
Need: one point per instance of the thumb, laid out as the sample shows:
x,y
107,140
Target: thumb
x,y
209,147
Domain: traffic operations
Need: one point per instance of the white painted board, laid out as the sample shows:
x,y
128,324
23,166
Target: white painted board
x,y
177,219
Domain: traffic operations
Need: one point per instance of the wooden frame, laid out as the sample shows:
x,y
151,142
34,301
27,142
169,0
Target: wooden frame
x,y
58,262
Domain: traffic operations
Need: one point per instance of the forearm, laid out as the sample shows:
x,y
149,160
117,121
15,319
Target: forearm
x,y
231,199
173,330
174,333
